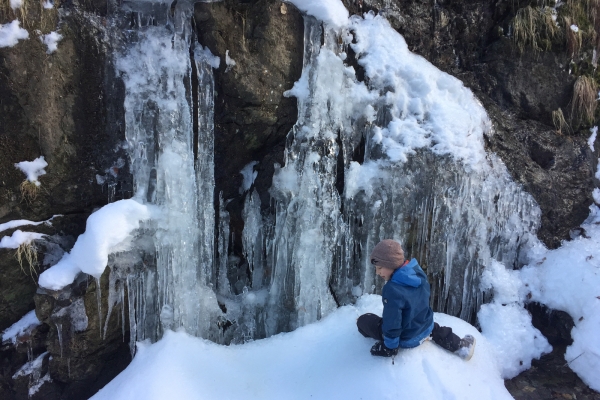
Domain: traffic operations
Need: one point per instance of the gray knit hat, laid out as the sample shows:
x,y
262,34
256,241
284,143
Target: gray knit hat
x,y
388,254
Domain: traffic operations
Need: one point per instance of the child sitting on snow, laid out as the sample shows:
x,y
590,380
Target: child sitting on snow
x,y
407,318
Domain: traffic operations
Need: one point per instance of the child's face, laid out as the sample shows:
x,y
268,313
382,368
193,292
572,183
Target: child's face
x,y
385,273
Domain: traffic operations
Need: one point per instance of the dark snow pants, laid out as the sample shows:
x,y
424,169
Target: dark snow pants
x,y
369,325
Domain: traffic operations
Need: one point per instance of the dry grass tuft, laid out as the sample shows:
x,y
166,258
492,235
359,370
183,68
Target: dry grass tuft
x,y
535,28
29,191
583,105
573,38
27,253
560,123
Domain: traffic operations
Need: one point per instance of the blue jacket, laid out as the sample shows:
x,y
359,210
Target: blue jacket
x,y
407,317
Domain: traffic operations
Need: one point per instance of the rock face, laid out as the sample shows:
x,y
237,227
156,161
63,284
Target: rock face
x,y
67,106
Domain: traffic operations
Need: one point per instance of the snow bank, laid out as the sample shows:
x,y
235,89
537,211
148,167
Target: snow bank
x,y
506,324
51,41
332,12
33,169
325,360
11,33
25,324
108,230
18,238
568,279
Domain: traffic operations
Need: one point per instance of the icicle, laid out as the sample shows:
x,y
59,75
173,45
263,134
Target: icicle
x,y
60,338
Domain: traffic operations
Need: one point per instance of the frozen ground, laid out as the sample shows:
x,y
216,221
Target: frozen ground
x,y
325,360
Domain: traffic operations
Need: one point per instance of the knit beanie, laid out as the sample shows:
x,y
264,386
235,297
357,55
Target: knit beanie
x,y
388,254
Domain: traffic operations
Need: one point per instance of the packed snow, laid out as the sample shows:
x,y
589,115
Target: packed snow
x,y
18,238
11,33
568,279
328,359
108,230
33,169
331,12
51,41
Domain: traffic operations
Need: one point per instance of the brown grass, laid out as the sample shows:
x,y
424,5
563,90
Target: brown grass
x,y
29,191
560,123
27,254
534,27
583,105
574,39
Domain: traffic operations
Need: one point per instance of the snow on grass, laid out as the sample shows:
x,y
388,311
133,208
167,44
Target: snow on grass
x,y
51,41
108,230
11,33
568,279
48,4
328,359
14,4
18,238
331,12
33,169
24,325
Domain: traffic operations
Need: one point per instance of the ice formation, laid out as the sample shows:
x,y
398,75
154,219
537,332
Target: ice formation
x,y
33,169
25,324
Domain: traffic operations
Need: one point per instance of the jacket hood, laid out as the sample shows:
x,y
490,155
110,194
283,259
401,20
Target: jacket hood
x,y
407,275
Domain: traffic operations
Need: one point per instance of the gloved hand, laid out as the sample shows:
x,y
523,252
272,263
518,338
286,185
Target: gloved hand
x,y
379,349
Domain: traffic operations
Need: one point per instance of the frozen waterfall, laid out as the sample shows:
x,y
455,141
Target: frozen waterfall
x,y
398,154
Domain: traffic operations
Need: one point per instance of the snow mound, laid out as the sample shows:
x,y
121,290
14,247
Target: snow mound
x,y
328,359
568,279
10,34
18,238
108,230
51,41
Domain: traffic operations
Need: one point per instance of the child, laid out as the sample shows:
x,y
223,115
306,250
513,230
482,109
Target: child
x,y
407,318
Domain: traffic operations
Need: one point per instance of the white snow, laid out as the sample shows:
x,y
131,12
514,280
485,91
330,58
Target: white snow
x,y
33,169
574,28
21,222
230,62
11,33
48,4
328,359
597,175
331,12
592,138
568,279
506,324
596,195
51,41
108,230
29,367
249,176
18,238
14,4
25,324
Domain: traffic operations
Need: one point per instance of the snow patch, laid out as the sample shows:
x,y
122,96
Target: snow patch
x,y
568,279
596,195
108,230
204,54
592,138
18,238
331,12
230,62
11,33
48,4
33,169
14,4
51,41
22,326
506,324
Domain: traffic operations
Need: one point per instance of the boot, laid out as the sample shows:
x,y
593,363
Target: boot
x,y
467,347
